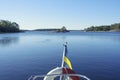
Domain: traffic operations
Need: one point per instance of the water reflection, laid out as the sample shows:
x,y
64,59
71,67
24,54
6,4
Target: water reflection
x,y
46,40
5,41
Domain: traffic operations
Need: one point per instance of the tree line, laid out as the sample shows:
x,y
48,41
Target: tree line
x,y
63,29
8,26
112,27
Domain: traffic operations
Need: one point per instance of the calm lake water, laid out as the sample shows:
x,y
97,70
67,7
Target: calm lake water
x,y
94,54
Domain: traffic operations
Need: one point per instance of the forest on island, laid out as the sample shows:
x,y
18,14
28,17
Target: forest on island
x,y
112,27
8,26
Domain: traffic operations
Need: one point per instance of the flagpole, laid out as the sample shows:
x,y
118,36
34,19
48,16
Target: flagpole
x,y
62,65
65,45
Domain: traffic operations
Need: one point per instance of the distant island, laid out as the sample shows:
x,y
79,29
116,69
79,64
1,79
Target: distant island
x,y
113,28
8,26
63,29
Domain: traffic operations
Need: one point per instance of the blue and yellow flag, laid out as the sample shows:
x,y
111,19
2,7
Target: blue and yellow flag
x,y
66,59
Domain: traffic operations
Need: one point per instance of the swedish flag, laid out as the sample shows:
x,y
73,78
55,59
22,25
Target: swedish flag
x,y
66,59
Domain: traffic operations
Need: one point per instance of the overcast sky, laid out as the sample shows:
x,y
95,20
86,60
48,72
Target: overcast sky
x,y
74,14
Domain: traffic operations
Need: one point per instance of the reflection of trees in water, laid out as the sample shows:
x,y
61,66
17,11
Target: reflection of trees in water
x,y
5,41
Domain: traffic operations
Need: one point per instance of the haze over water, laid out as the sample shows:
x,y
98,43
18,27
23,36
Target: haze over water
x,y
94,54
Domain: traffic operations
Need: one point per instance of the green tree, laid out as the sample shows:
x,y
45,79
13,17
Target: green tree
x,y
63,29
7,26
